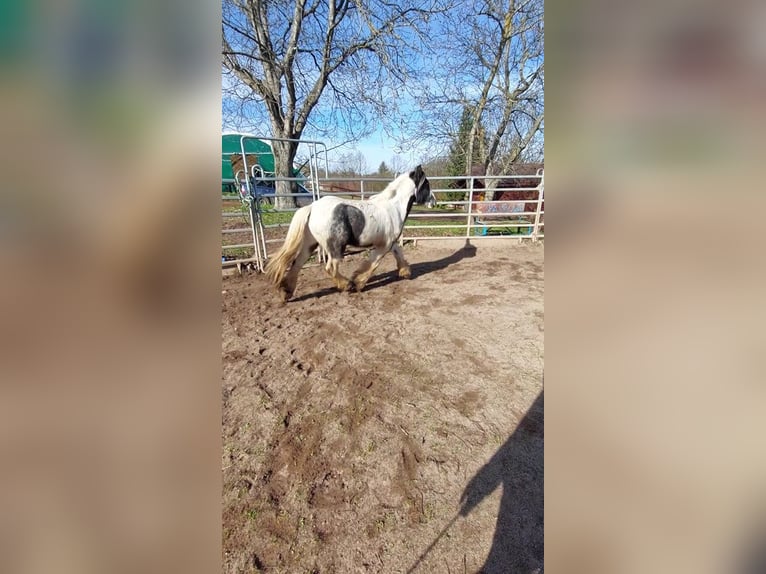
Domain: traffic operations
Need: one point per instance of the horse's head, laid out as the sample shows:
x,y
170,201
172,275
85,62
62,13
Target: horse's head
x,y
422,186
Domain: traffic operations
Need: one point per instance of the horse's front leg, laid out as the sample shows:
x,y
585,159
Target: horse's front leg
x,y
401,263
366,269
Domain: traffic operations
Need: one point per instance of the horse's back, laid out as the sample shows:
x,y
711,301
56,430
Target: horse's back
x,y
322,209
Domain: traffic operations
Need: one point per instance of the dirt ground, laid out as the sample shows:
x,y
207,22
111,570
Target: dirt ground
x,y
395,430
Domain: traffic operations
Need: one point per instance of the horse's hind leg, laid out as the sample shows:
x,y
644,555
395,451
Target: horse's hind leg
x,y
333,270
401,263
366,269
288,284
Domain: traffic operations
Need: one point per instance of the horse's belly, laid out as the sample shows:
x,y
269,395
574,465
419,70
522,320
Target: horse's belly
x,y
370,237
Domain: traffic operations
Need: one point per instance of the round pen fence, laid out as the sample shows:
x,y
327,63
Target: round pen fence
x,y
486,208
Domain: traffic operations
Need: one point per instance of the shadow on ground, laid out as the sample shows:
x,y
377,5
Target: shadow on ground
x,y
417,270
424,267
517,466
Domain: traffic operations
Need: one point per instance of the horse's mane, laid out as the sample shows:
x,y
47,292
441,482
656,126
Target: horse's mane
x,y
391,189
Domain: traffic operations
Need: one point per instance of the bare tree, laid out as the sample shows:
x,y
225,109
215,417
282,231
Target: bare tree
x,y
351,163
320,63
398,164
493,64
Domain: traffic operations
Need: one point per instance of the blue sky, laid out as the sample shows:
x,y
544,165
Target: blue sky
x,y
380,147
377,147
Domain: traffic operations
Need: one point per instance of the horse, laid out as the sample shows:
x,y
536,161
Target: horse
x,y
335,223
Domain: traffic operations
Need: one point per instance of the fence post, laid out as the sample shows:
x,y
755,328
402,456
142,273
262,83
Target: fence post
x,y
470,209
361,187
540,191
254,222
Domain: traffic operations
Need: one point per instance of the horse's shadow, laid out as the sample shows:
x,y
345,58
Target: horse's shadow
x,y
416,270
423,268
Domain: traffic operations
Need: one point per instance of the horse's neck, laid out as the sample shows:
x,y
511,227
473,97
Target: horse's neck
x,y
399,201
399,204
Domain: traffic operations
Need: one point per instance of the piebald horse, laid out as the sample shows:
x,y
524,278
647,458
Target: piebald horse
x,y
334,223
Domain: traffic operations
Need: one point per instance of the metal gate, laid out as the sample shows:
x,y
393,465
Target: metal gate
x,y
256,190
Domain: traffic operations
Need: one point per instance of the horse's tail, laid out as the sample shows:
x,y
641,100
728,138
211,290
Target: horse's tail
x,y
277,268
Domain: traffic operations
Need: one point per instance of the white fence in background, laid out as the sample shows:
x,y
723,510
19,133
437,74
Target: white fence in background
x,y
255,230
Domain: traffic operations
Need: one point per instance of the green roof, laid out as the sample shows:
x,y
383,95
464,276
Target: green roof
x,y
231,144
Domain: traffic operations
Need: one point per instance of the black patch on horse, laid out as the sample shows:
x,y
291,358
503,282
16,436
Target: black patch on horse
x,y
417,174
346,228
409,206
422,186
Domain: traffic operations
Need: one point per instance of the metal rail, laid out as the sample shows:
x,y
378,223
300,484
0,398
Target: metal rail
x,y
420,226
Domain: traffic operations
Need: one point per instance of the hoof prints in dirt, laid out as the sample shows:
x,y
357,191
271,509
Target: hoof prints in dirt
x,y
353,422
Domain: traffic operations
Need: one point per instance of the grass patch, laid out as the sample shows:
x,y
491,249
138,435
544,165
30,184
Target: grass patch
x,y
234,204
419,227
276,217
238,253
269,217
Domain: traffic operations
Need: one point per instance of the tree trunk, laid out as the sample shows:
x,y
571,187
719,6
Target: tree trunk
x,y
489,188
490,184
284,158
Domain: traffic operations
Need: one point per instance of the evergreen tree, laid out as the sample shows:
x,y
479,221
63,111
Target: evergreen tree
x,y
456,163
456,160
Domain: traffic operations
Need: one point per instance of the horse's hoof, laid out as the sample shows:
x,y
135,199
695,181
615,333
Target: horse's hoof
x,y
285,295
405,273
359,285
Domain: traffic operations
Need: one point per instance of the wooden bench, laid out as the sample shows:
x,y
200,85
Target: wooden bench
x,y
513,209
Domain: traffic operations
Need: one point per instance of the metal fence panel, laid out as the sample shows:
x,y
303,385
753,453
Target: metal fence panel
x,y
469,218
